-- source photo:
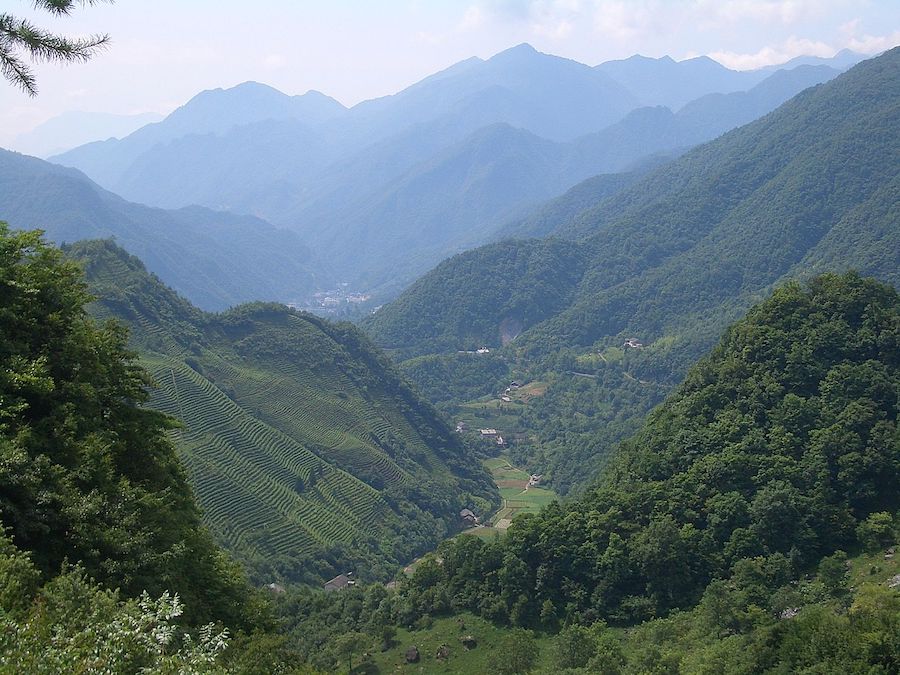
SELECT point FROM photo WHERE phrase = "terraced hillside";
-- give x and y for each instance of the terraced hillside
(307, 450)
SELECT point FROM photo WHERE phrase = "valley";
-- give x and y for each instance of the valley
(539, 364)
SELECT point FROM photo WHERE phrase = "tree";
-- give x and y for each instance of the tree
(876, 531)
(833, 574)
(22, 41)
(574, 647)
(88, 474)
(352, 643)
(516, 653)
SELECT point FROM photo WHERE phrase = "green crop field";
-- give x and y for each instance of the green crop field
(511, 481)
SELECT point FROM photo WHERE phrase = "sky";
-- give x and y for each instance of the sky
(163, 52)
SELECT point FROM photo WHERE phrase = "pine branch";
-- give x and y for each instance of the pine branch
(45, 46)
(20, 35)
(15, 70)
(61, 7)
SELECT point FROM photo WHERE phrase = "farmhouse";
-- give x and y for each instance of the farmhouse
(506, 399)
(468, 516)
(488, 432)
(482, 350)
(340, 582)
(461, 427)
(632, 343)
(500, 440)
(534, 480)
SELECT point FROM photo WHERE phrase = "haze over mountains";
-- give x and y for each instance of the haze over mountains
(74, 128)
(668, 259)
(217, 259)
(386, 189)
(644, 419)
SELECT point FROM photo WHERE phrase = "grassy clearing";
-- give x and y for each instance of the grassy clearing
(529, 391)
(448, 631)
(877, 568)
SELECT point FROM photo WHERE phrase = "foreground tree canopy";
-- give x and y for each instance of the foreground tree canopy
(22, 42)
(87, 475)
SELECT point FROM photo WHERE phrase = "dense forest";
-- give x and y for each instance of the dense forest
(105, 562)
(723, 536)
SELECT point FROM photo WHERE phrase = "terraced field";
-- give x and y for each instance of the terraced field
(251, 478)
(307, 452)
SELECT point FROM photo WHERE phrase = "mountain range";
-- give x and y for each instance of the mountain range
(388, 188)
(75, 128)
(668, 259)
(664, 318)
(217, 259)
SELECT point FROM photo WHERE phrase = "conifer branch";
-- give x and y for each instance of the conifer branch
(20, 40)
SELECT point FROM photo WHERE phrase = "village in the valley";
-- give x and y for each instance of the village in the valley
(495, 423)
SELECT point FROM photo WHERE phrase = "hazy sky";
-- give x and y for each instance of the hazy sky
(165, 51)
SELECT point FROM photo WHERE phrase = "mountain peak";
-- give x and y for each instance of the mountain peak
(520, 51)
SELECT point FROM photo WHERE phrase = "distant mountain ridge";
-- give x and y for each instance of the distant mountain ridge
(75, 128)
(217, 259)
(391, 186)
(214, 111)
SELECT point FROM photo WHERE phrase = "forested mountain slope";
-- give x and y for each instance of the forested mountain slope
(748, 527)
(737, 214)
(308, 452)
(88, 476)
(216, 259)
(731, 216)
(671, 259)
(777, 445)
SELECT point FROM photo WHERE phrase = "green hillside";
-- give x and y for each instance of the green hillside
(779, 445)
(670, 261)
(308, 452)
(749, 526)
(491, 295)
(91, 490)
